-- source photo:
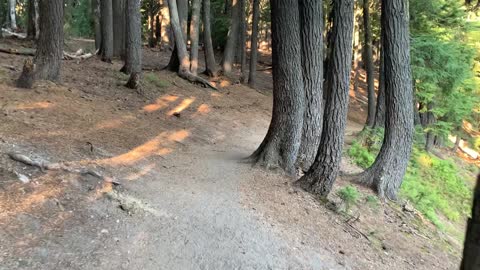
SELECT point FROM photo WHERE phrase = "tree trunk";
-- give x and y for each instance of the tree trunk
(429, 121)
(151, 19)
(229, 52)
(158, 30)
(48, 57)
(210, 64)
(369, 63)
(96, 22)
(311, 25)
(387, 172)
(280, 146)
(12, 4)
(107, 30)
(182, 10)
(471, 251)
(31, 32)
(133, 56)
(254, 44)
(243, 42)
(322, 174)
(194, 35)
(119, 28)
(380, 110)
(356, 47)
(37, 19)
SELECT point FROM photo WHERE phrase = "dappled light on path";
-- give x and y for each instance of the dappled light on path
(160, 103)
(182, 106)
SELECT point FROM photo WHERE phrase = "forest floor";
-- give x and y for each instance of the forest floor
(184, 199)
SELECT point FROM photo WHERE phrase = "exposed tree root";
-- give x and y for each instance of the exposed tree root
(44, 165)
(195, 79)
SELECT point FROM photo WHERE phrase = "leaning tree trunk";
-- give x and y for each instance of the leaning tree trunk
(282, 142)
(229, 51)
(107, 30)
(133, 56)
(182, 10)
(367, 30)
(12, 4)
(320, 177)
(194, 35)
(119, 26)
(471, 251)
(311, 24)
(97, 25)
(380, 109)
(31, 31)
(243, 42)
(210, 65)
(387, 172)
(254, 44)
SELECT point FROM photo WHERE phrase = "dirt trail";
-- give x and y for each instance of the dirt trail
(185, 201)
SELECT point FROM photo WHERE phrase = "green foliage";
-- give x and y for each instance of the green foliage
(363, 150)
(360, 155)
(349, 195)
(78, 18)
(435, 186)
(155, 80)
(372, 201)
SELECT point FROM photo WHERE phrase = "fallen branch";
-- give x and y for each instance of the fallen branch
(25, 51)
(69, 56)
(10, 34)
(12, 68)
(79, 55)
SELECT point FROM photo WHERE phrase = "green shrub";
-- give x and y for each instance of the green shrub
(155, 80)
(372, 201)
(360, 155)
(349, 195)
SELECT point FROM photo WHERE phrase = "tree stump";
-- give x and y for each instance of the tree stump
(28, 75)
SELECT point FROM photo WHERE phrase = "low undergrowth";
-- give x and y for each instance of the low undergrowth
(435, 186)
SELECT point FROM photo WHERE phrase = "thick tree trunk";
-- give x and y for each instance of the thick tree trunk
(229, 52)
(97, 25)
(107, 30)
(254, 44)
(211, 68)
(48, 57)
(194, 35)
(182, 10)
(322, 174)
(311, 24)
(368, 53)
(119, 28)
(133, 55)
(37, 19)
(471, 251)
(243, 42)
(380, 109)
(280, 146)
(151, 19)
(31, 31)
(12, 4)
(357, 47)
(387, 172)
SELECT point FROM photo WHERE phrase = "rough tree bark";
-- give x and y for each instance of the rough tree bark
(368, 53)
(37, 18)
(380, 109)
(243, 42)
(96, 22)
(471, 251)
(12, 14)
(133, 55)
(194, 35)
(311, 24)
(49, 53)
(182, 10)
(320, 177)
(119, 28)
(229, 51)
(254, 44)
(211, 68)
(31, 31)
(280, 146)
(387, 172)
(107, 30)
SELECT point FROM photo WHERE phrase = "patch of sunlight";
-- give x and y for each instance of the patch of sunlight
(182, 106)
(425, 160)
(34, 105)
(203, 109)
(160, 103)
(113, 123)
